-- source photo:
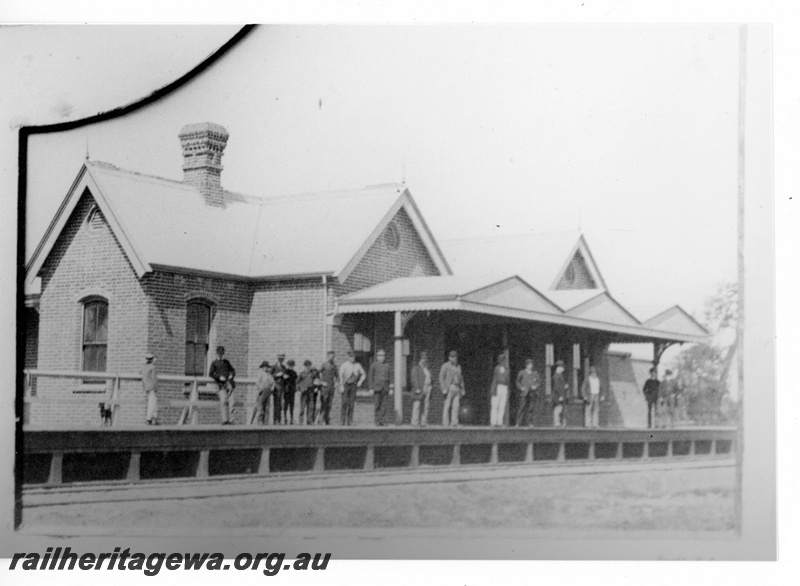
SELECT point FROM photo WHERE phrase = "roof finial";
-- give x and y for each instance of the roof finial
(404, 169)
(87, 147)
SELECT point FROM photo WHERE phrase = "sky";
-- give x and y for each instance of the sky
(627, 132)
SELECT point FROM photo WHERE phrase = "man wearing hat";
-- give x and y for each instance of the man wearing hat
(380, 383)
(421, 386)
(651, 390)
(223, 373)
(150, 387)
(451, 382)
(329, 379)
(560, 394)
(289, 390)
(671, 391)
(528, 383)
(265, 385)
(279, 374)
(307, 382)
(351, 375)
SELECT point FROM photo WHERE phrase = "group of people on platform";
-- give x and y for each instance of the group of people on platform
(529, 389)
(277, 385)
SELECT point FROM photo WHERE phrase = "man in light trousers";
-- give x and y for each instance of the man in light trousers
(590, 392)
(451, 382)
(421, 385)
(150, 387)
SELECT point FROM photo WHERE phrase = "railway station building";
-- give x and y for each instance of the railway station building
(132, 264)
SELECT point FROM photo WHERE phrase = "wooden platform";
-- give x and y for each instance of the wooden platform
(55, 457)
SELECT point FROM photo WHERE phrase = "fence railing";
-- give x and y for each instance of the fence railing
(109, 392)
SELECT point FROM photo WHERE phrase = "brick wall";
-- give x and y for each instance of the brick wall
(379, 264)
(168, 296)
(88, 261)
(286, 317)
(253, 321)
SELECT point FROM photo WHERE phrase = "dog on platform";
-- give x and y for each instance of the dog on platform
(105, 415)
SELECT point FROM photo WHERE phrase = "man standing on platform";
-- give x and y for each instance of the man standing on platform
(451, 382)
(379, 381)
(306, 384)
(651, 392)
(590, 392)
(671, 392)
(421, 385)
(560, 394)
(499, 391)
(329, 379)
(528, 382)
(289, 390)
(223, 374)
(265, 385)
(150, 386)
(280, 376)
(351, 376)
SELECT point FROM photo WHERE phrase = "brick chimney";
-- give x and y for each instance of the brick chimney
(203, 145)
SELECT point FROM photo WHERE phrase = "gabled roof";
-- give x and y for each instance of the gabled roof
(566, 299)
(604, 308)
(582, 248)
(540, 259)
(166, 223)
(511, 292)
(511, 297)
(675, 319)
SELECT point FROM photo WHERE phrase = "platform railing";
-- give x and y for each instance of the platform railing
(108, 391)
(70, 457)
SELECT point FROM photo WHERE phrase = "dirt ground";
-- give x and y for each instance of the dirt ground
(651, 500)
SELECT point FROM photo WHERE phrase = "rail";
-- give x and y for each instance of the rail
(74, 456)
(110, 395)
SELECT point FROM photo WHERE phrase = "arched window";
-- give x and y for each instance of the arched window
(95, 335)
(198, 326)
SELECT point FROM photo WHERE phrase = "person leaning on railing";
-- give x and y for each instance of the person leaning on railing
(265, 384)
(223, 374)
(150, 387)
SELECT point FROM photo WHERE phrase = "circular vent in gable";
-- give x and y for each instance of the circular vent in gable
(95, 219)
(391, 236)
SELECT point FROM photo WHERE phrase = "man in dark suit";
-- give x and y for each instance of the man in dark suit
(329, 378)
(379, 381)
(651, 391)
(280, 376)
(223, 374)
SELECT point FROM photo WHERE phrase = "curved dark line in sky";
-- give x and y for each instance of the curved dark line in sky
(149, 99)
(22, 188)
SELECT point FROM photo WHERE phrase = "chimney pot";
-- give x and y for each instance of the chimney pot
(203, 145)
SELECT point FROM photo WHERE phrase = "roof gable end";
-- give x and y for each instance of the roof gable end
(513, 292)
(676, 319)
(84, 182)
(579, 271)
(405, 202)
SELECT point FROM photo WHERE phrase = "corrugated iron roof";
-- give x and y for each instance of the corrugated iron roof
(444, 287)
(170, 224)
(537, 258)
